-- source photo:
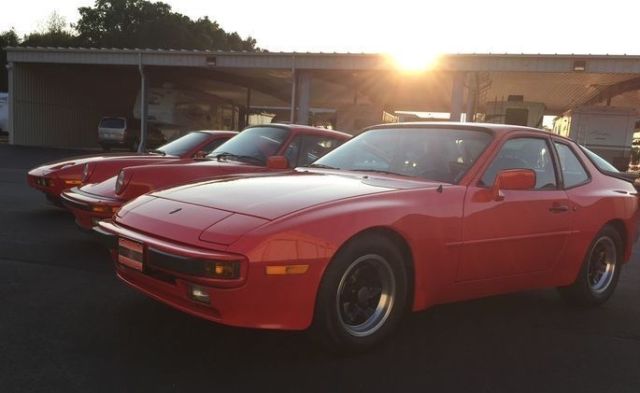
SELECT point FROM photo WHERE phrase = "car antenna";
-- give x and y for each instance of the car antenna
(439, 189)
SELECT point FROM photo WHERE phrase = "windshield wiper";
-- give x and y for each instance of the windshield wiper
(379, 171)
(238, 157)
(156, 151)
(323, 166)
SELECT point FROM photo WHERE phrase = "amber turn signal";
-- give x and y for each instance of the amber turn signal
(287, 269)
(101, 209)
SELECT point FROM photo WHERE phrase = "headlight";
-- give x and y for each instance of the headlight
(120, 182)
(85, 172)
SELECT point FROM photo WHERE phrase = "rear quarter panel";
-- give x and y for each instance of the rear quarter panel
(602, 201)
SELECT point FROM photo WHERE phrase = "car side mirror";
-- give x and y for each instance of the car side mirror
(277, 162)
(200, 155)
(513, 179)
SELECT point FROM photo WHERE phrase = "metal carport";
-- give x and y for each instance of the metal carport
(57, 95)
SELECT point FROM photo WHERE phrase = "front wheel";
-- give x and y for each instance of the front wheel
(600, 271)
(363, 294)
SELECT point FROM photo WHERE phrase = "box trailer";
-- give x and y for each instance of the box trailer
(515, 111)
(169, 107)
(606, 130)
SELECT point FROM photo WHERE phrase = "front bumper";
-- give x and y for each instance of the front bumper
(256, 300)
(89, 209)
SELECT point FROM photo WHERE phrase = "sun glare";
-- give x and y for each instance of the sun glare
(414, 60)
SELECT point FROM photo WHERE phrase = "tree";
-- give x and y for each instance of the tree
(143, 24)
(56, 32)
(127, 24)
(7, 38)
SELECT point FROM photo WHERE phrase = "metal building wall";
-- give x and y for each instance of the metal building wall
(61, 105)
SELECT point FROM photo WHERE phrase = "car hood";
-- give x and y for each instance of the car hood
(270, 197)
(54, 166)
(223, 210)
(104, 189)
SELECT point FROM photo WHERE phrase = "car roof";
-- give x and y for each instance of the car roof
(301, 127)
(218, 132)
(497, 129)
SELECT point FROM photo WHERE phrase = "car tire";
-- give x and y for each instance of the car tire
(105, 147)
(600, 271)
(362, 296)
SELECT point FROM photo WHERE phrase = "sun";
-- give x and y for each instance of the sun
(414, 60)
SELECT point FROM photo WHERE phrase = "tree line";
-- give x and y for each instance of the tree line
(127, 24)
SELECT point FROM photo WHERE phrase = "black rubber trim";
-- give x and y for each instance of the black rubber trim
(185, 265)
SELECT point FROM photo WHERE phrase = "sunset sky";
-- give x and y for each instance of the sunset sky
(390, 26)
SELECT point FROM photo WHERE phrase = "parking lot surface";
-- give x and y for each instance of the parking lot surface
(68, 325)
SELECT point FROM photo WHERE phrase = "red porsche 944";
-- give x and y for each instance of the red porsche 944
(55, 177)
(401, 217)
(272, 147)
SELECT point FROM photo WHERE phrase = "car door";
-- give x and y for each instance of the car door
(526, 231)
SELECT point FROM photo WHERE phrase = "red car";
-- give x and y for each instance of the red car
(256, 149)
(400, 218)
(55, 177)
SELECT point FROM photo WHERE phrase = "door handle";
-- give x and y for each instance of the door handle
(556, 208)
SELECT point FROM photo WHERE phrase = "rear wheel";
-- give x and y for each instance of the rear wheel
(105, 147)
(363, 294)
(600, 271)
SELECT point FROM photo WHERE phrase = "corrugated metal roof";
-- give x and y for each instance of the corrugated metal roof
(478, 62)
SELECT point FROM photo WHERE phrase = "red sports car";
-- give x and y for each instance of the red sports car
(273, 147)
(55, 177)
(402, 217)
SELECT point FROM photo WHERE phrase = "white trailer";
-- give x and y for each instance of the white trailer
(606, 130)
(188, 110)
(516, 112)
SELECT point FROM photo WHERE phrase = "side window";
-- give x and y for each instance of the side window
(292, 151)
(573, 172)
(524, 153)
(311, 147)
(211, 146)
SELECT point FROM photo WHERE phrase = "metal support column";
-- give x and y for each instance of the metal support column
(11, 103)
(472, 96)
(294, 87)
(457, 96)
(247, 108)
(304, 98)
(144, 105)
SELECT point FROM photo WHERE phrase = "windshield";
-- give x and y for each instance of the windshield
(183, 144)
(253, 144)
(432, 153)
(598, 161)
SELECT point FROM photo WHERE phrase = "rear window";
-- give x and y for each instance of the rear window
(599, 162)
(112, 122)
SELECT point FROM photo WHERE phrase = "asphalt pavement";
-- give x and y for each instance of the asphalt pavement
(68, 325)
